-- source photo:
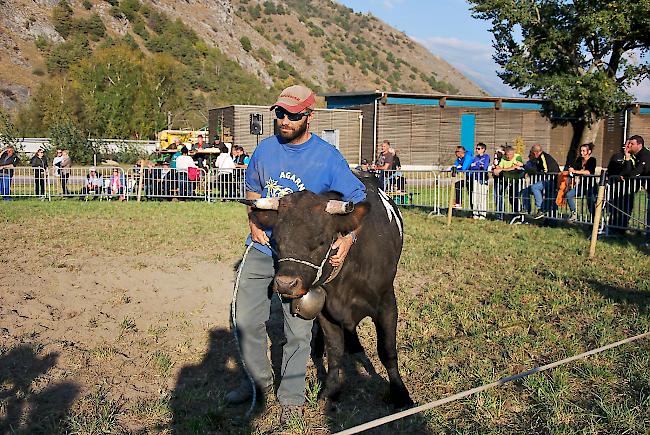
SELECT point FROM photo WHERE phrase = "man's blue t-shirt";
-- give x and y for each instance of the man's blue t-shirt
(278, 169)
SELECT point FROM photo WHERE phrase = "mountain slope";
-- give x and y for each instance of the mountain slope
(239, 51)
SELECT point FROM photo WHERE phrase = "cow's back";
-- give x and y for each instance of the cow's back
(371, 265)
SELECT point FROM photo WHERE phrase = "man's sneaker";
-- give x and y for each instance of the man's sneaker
(539, 215)
(244, 393)
(573, 217)
(290, 412)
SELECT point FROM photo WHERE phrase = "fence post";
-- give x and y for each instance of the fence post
(452, 194)
(597, 214)
(140, 179)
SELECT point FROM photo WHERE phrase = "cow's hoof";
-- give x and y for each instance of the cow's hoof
(400, 398)
(332, 394)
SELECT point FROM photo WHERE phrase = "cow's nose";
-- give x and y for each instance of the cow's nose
(286, 285)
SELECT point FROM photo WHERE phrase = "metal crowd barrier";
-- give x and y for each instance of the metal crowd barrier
(24, 182)
(411, 188)
(168, 184)
(227, 184)
(478, 194)
(107, 182)
(628, 204)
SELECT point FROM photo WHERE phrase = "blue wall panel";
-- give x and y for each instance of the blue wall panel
(413, 101)
(468, 131)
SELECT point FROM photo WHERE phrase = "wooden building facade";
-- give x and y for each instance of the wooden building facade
(341, 128)
(425, 129)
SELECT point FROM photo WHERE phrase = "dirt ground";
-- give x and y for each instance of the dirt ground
(74, 323)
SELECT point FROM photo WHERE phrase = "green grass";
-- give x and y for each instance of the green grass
(478, 301)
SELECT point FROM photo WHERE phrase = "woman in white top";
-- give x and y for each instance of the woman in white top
(225, 168)
(185, 184)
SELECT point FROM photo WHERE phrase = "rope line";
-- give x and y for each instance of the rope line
(431, 405)
(234, 324)
(629, 215)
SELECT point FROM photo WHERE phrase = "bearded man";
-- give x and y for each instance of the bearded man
(291, 161)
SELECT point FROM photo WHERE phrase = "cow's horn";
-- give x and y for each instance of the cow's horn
(339, 207)
(267, 203)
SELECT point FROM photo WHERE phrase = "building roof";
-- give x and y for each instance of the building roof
(376, 94)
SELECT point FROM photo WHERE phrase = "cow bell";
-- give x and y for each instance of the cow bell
(309, 305)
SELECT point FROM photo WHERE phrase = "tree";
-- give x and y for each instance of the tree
(578, 55)
(9, 135)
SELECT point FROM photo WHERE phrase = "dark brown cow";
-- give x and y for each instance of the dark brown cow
(304, 228)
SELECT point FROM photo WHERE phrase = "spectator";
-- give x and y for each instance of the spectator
(384, 161)
(177, 146)
(584, 165)
(8, 161)
(510, 167)
(93, 184)
(225, 168)
(396, 180)
(240, 157)
(241, 160)
(479, 181)
(65, 169)
(117, 185)
(364, 166)
(199, 145)
(542, 170)
(56, 162)
(183, 165)
(39, 163)
(167, 181)
(462, 164)
(498, 180)
(637, 164)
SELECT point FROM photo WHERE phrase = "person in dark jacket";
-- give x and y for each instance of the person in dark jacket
(8, 161)
(624, 170)
(542, 170)
(39, 163)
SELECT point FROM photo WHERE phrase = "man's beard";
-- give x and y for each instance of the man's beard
(294, 134)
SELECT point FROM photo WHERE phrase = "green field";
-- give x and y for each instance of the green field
(478, 301)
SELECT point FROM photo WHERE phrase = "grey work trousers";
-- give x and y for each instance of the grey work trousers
(253, 306)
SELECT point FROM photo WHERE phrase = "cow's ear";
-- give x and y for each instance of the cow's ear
(263, 218)
(351, 221)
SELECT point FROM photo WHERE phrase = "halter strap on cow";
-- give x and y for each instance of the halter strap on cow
(319, 268)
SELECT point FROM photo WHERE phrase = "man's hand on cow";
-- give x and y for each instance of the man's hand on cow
(257, 234)
(342, 245)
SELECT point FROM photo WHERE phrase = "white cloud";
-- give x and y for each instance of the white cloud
(390, 4)
(642, 91)
(473, 59)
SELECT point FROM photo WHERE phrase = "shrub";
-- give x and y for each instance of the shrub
(246, 43)
(62, 56)
(66, 134)
(41, 43)
(62, 18)
(87, 4)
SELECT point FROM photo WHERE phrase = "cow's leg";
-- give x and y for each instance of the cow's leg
(334, 346)
(352, 344)
(386, 325)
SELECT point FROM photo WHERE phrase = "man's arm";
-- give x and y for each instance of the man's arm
(257, 234)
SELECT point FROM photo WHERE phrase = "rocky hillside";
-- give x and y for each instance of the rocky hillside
(230, 51)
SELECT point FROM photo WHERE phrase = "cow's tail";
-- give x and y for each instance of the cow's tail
(233, 309)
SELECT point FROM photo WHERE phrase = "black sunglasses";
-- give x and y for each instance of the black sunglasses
(281, 113)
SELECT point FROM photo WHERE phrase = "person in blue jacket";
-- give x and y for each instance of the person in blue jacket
(462, 163)
(293, 160)
(479, 181)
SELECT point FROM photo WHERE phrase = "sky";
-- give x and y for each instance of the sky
(447, 29)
